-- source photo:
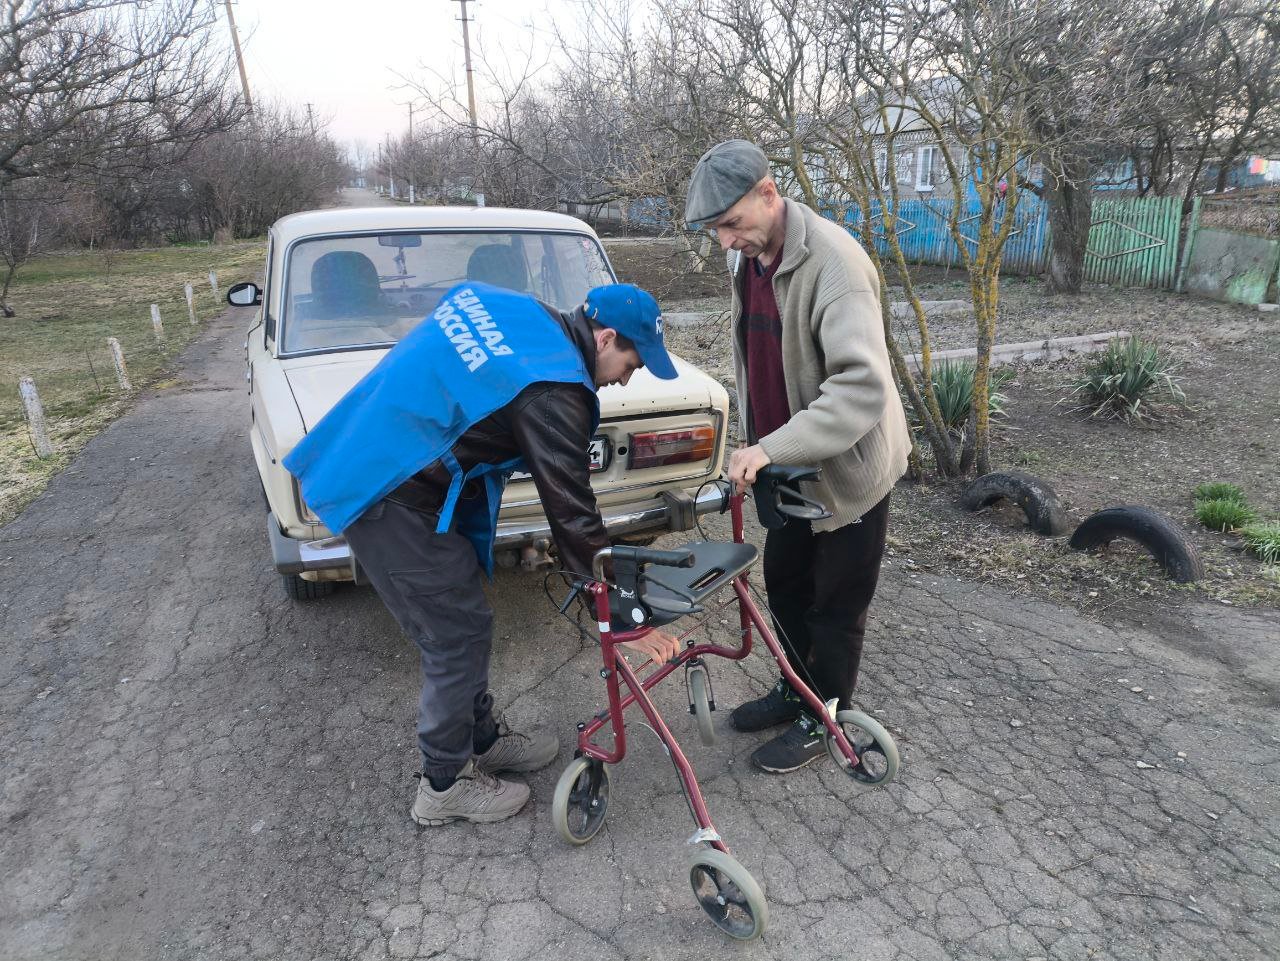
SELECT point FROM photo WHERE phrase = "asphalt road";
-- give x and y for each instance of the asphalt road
(194, 767)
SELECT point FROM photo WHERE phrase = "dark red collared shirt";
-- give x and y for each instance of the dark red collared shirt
(762, 339)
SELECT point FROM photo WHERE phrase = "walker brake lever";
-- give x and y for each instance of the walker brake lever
(573, 593)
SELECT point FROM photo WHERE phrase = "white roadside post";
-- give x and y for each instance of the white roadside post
(35, 417)
(156, 324)
(213, 282)
(190, 294)
(117, 356)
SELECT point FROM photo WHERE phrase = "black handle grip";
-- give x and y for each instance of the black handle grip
(777, 490)
(643, 555)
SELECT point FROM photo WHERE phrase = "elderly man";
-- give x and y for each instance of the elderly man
(410, 465)
(814, 387)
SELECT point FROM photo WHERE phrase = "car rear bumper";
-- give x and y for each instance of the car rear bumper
(669, 511)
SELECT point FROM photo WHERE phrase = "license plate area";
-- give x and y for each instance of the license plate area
(599, 456)
(598, 453)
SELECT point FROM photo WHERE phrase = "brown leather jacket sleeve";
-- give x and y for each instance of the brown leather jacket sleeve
(551, 424)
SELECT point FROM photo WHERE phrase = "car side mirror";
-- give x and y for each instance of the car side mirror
(244, 295)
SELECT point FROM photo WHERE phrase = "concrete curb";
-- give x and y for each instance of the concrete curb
(1055, 348)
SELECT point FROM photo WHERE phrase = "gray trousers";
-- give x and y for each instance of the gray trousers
(431, 584)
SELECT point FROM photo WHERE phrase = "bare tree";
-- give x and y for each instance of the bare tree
(84, 80)
(1220, 73)
(26, 227)
(244, 180)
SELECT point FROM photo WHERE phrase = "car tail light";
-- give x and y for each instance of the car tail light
(660, 448)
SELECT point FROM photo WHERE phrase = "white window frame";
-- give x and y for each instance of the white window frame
(924, 168)
(905, 164)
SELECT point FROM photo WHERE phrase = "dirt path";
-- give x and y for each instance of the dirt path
(363, 197)
(194, 768)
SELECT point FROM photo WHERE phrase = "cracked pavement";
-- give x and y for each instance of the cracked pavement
(195, 767)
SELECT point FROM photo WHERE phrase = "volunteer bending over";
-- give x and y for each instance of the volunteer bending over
(410, 465)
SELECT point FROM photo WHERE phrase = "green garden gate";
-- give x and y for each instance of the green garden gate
(1134, 242)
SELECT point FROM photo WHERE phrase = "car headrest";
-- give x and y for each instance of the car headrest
(499, 265)
(345, 280)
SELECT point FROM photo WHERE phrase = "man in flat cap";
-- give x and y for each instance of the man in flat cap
(814, 387)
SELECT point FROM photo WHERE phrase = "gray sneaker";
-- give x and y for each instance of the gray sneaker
(513, 751)
(475, 796)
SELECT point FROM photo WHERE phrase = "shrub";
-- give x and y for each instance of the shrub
(1127, 380)
(953, 386)
(1224, 513)
(1264, 540)
(1218, 491)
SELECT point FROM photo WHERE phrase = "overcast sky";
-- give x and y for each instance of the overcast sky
(340, 56)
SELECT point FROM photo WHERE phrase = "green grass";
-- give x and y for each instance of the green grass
(67, 305)
(1224, 513)
(1218, 491)
(1128, 380)
(1263, 539)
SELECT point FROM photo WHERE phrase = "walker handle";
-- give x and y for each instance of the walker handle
(635, 556)
(643, 555)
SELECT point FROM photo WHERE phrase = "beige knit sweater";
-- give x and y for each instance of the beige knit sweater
(846, 416)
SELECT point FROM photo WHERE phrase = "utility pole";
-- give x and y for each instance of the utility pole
(413, 153)
(391, 179)
(311, 122)
(471, 102)
(235, 42)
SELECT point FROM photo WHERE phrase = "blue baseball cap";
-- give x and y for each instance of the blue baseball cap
(634, 314)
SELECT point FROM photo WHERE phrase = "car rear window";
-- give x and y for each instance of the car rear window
(372, 290)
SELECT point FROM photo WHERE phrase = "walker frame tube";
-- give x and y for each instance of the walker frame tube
(614, 665)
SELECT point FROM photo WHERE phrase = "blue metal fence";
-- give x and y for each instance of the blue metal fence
(925, 236)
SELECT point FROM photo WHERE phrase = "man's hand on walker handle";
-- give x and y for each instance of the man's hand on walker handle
(743, 465)
(655, 645)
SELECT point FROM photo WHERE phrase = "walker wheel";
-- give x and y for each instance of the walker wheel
(730, 896)
(700, 697)
(581, 799)
(878, 760)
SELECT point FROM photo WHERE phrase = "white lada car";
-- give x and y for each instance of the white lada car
(344, 285)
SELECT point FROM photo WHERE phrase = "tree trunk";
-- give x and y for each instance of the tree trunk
(5, 309)
(1070, 209)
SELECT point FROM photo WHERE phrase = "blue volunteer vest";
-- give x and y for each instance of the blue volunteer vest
(481, 347)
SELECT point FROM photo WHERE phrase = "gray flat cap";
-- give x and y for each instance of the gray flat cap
(722, 177)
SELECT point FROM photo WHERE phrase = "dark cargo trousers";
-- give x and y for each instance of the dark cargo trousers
(820, 585)
(431, 583)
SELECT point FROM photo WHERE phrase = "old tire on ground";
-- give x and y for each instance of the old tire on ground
(1036, 498)
(1159, 535)
(301, 590)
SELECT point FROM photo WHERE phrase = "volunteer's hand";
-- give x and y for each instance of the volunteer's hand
(656, 646)
(743, 465)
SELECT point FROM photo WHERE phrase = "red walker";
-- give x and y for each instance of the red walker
(642, 601)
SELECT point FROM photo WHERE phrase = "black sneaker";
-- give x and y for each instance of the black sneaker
(779, 706)
(800, 744)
